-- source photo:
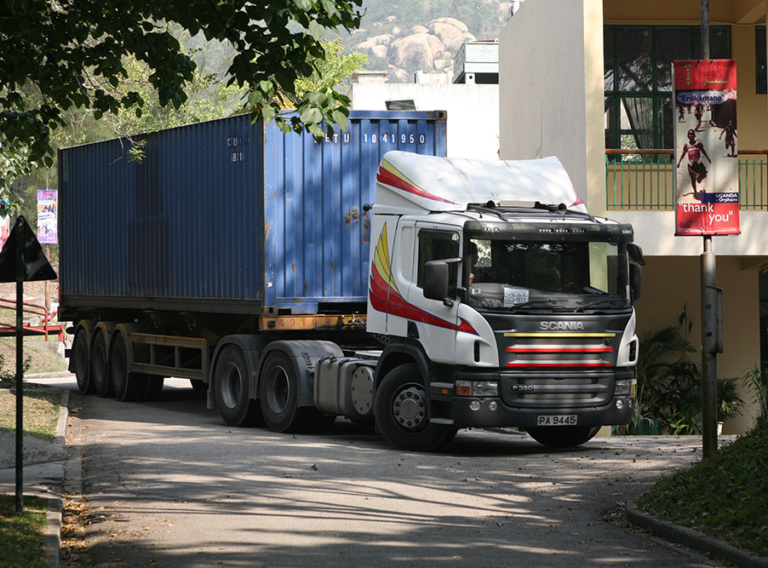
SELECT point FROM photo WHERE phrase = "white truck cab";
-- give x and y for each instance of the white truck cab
(502, 301)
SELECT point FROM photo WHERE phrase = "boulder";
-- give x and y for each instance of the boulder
(416, 51)
(451, 32)
(398, 75)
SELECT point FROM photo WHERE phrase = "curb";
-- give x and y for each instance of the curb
(694, 539)
(53, 531)
(56, 503)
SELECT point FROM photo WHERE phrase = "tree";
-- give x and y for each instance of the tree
(56, 55)
(330, 72)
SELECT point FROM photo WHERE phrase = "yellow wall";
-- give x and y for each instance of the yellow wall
(683, 11)
(671, 285)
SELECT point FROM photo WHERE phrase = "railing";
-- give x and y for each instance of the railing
(645, 179)
(43, 322)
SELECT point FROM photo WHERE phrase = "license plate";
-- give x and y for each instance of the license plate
(556, 420)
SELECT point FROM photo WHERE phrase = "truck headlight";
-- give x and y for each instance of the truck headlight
(477, 388)
(625, 386)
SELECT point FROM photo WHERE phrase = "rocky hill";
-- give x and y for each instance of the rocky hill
(423, 35)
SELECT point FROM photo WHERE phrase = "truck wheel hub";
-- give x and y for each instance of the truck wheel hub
(410, 408)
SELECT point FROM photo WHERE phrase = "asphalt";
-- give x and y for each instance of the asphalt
(48, 472)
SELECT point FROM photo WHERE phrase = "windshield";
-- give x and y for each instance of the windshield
(572, 276)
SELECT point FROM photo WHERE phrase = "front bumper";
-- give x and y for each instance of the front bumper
(484, 412)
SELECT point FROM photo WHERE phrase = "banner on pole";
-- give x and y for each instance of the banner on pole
(47, 208)
(706, 155)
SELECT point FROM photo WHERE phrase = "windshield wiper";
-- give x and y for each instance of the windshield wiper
(586, 305)
(534, 302)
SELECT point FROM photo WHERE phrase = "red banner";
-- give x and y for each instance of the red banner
(706, 156)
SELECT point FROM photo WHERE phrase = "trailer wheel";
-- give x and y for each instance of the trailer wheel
(563, 436)
(230, 388)
(401, 410)
(128, 387)
(279, 394)
(81, 363)
(99, 367)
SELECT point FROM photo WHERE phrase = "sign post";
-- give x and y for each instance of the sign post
(22, 259)
(707, 191)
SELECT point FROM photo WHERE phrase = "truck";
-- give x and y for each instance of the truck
(367, 276)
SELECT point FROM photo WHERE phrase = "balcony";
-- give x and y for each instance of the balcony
(644, 180)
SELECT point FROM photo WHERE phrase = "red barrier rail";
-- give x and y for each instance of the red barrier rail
(46, 327)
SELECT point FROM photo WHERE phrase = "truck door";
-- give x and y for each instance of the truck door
(434, 323)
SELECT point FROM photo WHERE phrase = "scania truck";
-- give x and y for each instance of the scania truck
(367, 276)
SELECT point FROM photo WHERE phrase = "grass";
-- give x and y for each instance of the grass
(41, 406)
(40, 355)
(723, 497)
(22, 535)
(41, 411)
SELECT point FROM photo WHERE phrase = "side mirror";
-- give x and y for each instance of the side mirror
(635, 280)
(635, 253)
(436, 280)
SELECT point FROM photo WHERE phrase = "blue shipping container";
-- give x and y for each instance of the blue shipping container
(228, 216)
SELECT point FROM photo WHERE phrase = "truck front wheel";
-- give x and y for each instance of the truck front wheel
(563, 436)
(230, 389)
(402, 412)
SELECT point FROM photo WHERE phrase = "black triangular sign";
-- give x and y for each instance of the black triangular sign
(36, 265)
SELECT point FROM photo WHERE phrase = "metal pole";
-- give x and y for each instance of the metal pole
(705, 29)
(709, 325)
(19, 367)
(708, 313)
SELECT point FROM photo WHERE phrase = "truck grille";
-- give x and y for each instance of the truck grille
(536, 389)
(559, 350)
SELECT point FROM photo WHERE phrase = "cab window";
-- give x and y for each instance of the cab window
(438, 245)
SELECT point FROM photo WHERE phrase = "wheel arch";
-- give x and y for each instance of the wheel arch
(401, 353)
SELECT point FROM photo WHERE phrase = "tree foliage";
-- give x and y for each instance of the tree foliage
(59, 55)
(330, 72)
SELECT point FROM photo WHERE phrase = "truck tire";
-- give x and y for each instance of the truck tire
(99, 367)
(81, 363)
(128, 387)
(401, 411)
(563, 436)
(230, 389)
(279, 395)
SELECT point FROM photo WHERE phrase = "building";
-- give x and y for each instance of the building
(471, 101)
(589, 77)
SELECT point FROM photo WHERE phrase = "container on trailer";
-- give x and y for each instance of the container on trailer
(228, 215)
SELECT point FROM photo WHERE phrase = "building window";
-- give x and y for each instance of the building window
(760, 59)
(638, 80)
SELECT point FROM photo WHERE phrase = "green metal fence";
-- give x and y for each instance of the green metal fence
(645, 179)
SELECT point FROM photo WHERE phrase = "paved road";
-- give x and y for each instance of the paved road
(175, 487)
